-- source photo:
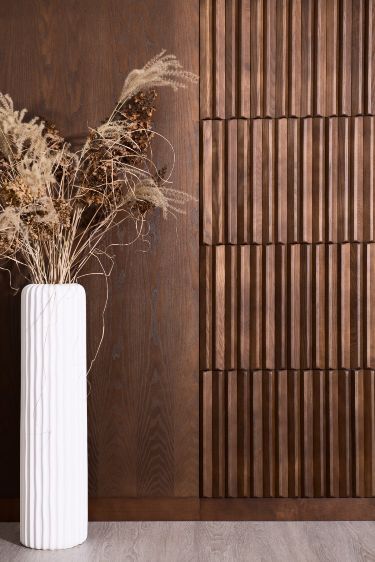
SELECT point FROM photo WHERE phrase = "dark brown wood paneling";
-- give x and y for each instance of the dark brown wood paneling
(299, 306)
(216, 509)
(287, 58)
(309, 433)
(288, 180)
(67, 61)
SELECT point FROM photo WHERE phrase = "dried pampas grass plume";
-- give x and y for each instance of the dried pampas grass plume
(57, 206)
(162, 70)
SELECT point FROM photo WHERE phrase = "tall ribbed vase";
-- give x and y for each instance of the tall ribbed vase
(53, 416)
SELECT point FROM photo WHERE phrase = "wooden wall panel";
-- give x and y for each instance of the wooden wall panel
(287, 105)
(67, 61)
(299, 306)
(288, 180)
(287, 58)
(288, 433)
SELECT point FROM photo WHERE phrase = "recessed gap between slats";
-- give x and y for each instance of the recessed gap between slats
(296, 306)
(287, 433)
(288, 180)
(280, 58)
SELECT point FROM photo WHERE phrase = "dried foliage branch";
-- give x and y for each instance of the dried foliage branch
(57, 205)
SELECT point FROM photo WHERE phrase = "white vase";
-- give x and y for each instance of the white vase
(53, 416)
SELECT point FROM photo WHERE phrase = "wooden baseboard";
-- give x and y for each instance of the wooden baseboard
(195, 509)
(288, 509)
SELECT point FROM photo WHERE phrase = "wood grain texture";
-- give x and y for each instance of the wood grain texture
(209, 509)
(287, 58)
(309, 433)
(299, 306)
(210, 541)
(288, 180)
(67, 62)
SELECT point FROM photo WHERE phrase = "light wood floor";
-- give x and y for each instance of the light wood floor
(206, 542)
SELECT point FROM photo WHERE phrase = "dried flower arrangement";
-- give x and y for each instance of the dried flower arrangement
(57, 205)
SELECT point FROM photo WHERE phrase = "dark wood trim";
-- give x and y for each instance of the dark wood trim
(195, 509)
(288, 509)
(144, 509)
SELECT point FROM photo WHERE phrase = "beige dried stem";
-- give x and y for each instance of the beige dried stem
(57, 206)
(162, 70)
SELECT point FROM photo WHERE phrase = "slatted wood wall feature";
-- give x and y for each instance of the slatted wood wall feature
(288, 180)
(297, 306)
(288, 433)
(287, 261)
(287, 58)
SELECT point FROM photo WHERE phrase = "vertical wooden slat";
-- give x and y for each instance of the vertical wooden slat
(369, 64)
(369, 425)
(206, 309)
(333, 230)
(218, 426)
(243, 184)
(367, 227)
(294, 276)
(307, 70)
(294, 432)
(356, 305)
(321, 74)
(281, 182)
(356, 195)
(244, 307)
(307, 435)
(207, 448)
(333, 434)
(319, 430)
(332, 66)
(283, 465)
(343, 179)
(219, 308)
(244, 428)
(256, 57)
(293, 179)
(319, 306)
(370, 306)
(305, 334)
(269, 432)
(357, 61)
(207, 187)
(281, 325)
(318, 181)
(231, 191)
(344, 347)
(332, 292)
(231, 59)
(307, 181)
(232, 446)
(257, 181)
(268, 335)
(206, 62)
(359, 434)
(268, 182)
(218, 181)
(219, 59)
(244, 56)
(270, 53)
(295, 62)
(257, 433)
(231, 307)
(281, 58)
(346, 57)
(345, 434)
(256, 305)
